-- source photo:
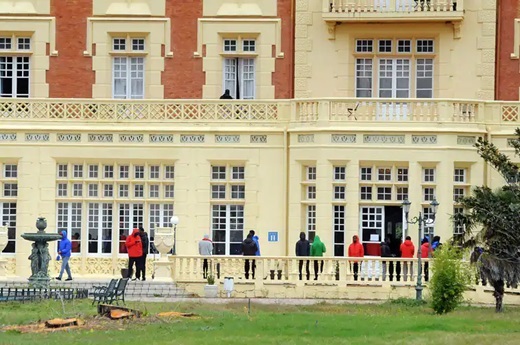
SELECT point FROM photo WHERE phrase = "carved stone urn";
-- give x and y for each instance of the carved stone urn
(164, 238)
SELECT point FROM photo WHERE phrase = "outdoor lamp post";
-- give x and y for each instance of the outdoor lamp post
(421, 221)
(174, 220)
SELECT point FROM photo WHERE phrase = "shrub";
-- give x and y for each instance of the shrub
(450, 278)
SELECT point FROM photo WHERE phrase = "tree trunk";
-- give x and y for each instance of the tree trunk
(499, 295)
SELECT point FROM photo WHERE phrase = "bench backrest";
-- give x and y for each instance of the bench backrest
(121, 286)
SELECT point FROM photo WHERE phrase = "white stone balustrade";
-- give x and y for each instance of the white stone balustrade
(403, 7)
(276, 112)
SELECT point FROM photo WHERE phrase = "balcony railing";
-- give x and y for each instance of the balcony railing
(393, 10)
(324, 111)
(138, 111)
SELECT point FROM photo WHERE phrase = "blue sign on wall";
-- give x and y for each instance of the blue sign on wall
(272, 236)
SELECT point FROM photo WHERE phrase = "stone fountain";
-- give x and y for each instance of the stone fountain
(40, 256)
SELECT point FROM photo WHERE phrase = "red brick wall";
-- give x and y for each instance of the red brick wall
(283, 75)
(70, 74)
(183, 76)
(507, 70)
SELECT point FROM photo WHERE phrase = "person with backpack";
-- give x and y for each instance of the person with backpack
(145, 242)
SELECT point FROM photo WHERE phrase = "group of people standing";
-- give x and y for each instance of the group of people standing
(137, 245)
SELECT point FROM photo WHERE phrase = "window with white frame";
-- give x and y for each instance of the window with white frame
(8, 218)
(227, 208)
(15, 69)
(159, 216)
(311, 173)
(408, 74)
(458, 193)
(111, 217)
(458, 227)
(99, 227)
(310, 220)
(128, 69)
(402, 193)
(339, 192)
(384, 193)
(429, 228)
(311, 192)
(459, 175)
(402, 174)
(428, 193)
(338, 224)
(366, 193)
(339, 177)
(239, 70)
(429, 175)
(69, 218)
(366, 174)
(384, 174)
(154, 171)
(8, 203)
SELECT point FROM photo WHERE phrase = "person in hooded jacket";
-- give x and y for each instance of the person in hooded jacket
(205, 250)
(249, 248)
(303, 248)
(226, 95)
(407, 252)
(135, 252)
(356, 250)
(145, 242)
(317, 249)
(425, 251)
(64, 249)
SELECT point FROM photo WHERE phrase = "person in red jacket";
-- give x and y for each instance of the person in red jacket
(407, 252)
(425, 251)
(355, 250)
(135, 251)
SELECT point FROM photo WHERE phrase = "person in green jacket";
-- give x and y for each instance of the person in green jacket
(317, 249)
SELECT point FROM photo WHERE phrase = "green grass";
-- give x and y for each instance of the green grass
(398, 322)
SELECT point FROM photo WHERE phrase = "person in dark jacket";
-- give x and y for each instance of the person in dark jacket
(226, 95)
(249, 248)
(303, 248)
(386, 252)
(140, 272)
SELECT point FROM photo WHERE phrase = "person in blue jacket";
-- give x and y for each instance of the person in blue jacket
(256, 240)
(64, 250)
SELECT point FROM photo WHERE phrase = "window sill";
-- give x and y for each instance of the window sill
(122, 53)
(239, 55)
(15, 53)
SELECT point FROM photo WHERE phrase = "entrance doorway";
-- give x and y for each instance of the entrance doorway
(378, 223)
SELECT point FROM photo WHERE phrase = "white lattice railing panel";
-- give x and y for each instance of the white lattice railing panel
(138, 111)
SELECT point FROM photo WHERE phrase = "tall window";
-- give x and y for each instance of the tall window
(404, 68)
(339, 229)
(227, 197)
(128, 71)
(116, 199)
(308, 200)
(239, 75)
(14, 69)
(8, 198)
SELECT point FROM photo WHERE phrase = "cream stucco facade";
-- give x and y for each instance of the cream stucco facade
(232, 167)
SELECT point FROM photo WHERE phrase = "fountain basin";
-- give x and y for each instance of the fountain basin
(41, 237)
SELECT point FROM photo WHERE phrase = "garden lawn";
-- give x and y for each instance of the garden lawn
(385, 324)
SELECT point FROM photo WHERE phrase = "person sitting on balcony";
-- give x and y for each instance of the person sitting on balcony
(205, 249)
(356, 250)
(303, 248)
(407, 251)
(249, 248)
(317, 249)
(226, 95)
